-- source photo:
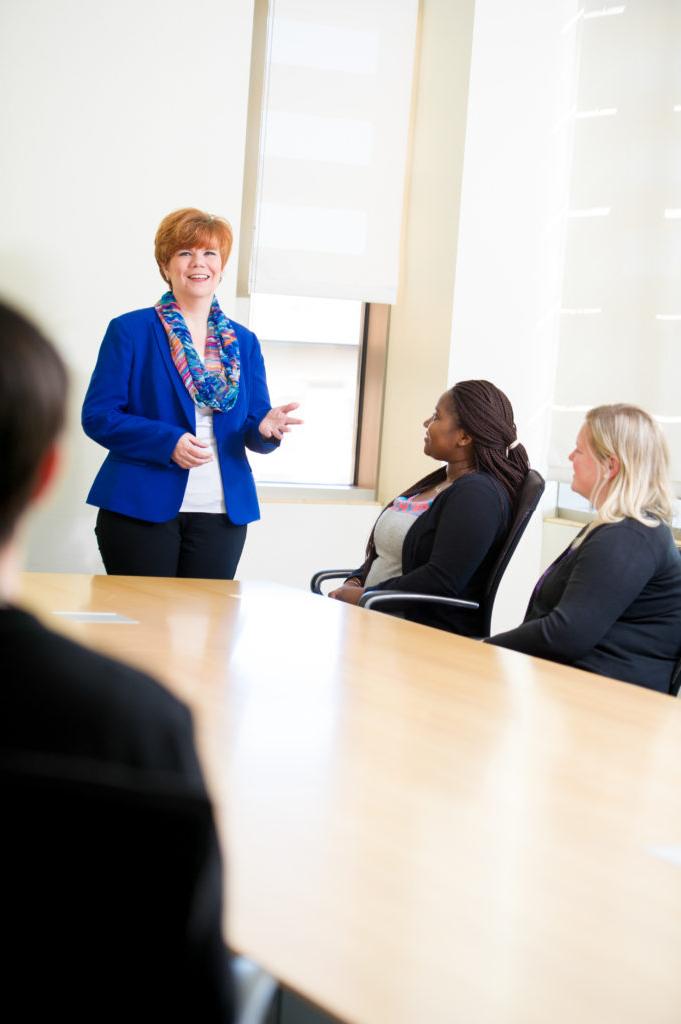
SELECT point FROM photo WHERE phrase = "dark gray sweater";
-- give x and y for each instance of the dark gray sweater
(76, 715)
(612, 606)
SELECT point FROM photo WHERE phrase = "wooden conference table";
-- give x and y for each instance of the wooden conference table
(419, 828)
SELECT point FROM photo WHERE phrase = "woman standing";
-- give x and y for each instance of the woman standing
(611, 603)
(177, 395)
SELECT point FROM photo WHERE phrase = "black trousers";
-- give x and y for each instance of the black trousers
(199, 545)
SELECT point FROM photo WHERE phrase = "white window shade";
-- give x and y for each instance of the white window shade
(333, 148)
(620, 335)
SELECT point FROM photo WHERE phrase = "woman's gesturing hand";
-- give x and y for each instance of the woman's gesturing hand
(190, 452)
(278, 422)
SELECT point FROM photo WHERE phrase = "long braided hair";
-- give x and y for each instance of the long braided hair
(484, 412)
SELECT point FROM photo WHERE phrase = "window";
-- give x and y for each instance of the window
(332, 145)
(312, 351)
(620, 324)
(324, 178)
(573, 506)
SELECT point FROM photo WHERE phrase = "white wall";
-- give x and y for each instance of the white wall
(294, 540)
(511, 235)
(291, 541)
(420, 321)
(112, 115)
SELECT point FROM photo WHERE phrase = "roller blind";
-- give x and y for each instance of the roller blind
(333, 148)
(620, 322)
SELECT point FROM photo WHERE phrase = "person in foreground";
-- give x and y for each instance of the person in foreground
(98, 768)
(442, 534)
(177, 395)
(611, 603)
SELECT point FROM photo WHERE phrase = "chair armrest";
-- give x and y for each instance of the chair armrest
(327, 574)
(371, 598)
(255, 991)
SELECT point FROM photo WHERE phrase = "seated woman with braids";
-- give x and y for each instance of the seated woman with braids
(442, 534)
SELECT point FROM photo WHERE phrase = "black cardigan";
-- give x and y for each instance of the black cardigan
(450, 550)
(611, 606)
(63, 704)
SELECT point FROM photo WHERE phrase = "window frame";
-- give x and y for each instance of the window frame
(375, 323)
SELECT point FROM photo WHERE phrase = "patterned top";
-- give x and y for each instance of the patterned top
(415, 505)
(389, 533)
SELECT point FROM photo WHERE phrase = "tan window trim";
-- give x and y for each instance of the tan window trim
(373, 358)
(256, 95)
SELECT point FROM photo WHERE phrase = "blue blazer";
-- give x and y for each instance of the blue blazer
(138, 408)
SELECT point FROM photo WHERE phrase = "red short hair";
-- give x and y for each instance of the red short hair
(187, 228)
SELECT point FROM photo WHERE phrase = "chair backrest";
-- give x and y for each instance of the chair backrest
(528, 499)
(105, 895)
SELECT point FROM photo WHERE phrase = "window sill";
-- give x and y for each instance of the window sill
(315, 494)
(575, 520)
(569, 517)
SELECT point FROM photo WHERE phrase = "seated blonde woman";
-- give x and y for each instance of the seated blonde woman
(611, 603)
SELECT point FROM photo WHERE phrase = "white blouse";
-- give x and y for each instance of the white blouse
(204, 488)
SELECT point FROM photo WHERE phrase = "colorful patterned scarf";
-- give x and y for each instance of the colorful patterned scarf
(215, 381)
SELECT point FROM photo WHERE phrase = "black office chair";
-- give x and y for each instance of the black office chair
(108, 898)
(675, 683)
(528, 499)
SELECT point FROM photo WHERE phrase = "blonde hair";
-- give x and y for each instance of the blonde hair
(641, 488)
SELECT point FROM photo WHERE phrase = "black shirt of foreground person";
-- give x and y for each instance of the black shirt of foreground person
(611, 606)
(112, 893)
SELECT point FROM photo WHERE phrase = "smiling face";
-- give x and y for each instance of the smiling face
(587, 472)
(445, 440)
(194, 273)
